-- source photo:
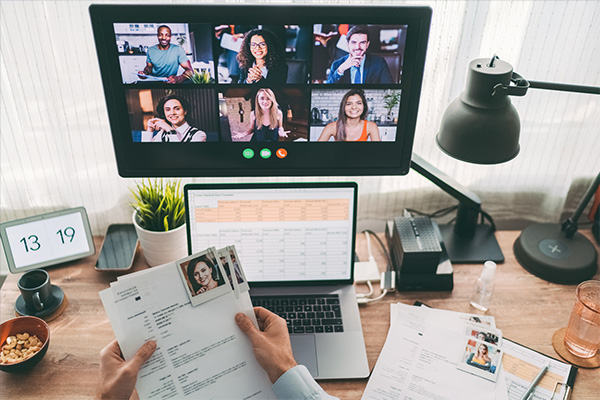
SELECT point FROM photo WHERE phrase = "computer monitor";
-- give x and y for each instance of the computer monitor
(261, 90)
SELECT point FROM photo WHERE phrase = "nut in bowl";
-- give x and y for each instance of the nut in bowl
(23, 342)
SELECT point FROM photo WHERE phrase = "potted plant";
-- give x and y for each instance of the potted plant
(391, 99)
(159, 219)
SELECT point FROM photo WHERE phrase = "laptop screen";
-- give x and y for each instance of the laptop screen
(283, 233)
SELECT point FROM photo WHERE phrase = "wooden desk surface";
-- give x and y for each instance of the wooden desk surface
(527, 310)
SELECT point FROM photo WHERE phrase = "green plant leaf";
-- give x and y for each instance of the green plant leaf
(159, 206)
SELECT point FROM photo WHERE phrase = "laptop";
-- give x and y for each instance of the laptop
(296, 243)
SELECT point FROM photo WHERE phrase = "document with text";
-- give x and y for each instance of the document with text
(201, 352)
(421, 357)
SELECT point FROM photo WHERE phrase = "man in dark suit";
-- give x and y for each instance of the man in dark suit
(358, 66)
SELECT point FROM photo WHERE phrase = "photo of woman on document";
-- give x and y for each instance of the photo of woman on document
(480, 358)
(203, 275)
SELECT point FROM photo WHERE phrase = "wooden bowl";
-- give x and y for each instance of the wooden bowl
(33, 326)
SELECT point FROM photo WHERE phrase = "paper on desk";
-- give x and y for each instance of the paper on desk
(418, 360)
(200, 350)
(522, 364)
(445, 317)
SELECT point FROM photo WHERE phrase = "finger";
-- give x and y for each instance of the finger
(246, 325)
(143, 354)
(111, 349)
(265, 315)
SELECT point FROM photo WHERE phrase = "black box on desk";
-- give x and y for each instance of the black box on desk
(418, 248)
(420, 277)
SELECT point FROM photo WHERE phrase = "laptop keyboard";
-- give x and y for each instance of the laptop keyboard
(305, 313)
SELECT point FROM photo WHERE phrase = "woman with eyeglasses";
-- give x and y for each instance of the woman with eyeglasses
(261, 58)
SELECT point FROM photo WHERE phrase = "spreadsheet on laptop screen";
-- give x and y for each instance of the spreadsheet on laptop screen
(281, 234)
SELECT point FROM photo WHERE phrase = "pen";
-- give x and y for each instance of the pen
(539, 376)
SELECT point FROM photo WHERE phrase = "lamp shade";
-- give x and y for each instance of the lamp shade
(482, 126)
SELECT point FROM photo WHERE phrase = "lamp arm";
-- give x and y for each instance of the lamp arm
(521, 85)
(569, 226)
(565, 87)
(469, 205)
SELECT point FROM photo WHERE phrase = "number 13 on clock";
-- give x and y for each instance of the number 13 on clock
(47, 239)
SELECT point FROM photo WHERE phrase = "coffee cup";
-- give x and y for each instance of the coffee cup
(36, 289)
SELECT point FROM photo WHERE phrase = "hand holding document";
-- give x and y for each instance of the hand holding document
(152, 77)
(201, 352)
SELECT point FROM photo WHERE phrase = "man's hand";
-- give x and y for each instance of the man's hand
(117, 376)
(271, 345)
(351, 61)
(176, 78)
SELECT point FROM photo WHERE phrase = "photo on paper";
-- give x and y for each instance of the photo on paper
(204, 276)
(487, 335)
(486, 320)
(227, 265)
(480, 358)
(238, 270)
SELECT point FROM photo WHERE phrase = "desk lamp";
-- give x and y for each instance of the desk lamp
(482, 127)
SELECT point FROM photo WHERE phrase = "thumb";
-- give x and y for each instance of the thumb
(246, 325)
(143, 354)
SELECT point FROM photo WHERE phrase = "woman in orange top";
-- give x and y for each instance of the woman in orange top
(481, 357)
(351, 125)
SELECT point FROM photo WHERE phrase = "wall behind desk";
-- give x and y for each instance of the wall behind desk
(55, 142)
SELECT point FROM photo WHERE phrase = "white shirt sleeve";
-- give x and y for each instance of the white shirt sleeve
(298, 384)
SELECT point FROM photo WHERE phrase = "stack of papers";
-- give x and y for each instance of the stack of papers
(201, 352)
(445, 355)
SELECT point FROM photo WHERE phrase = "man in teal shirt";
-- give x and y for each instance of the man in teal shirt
(163, 60)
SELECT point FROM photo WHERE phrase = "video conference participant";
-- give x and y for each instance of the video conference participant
(351, 125)
(164, 59)
(266, 121)
(171, 124)
(358, 66)
(237, 33)
(261, 58)
(272, 349)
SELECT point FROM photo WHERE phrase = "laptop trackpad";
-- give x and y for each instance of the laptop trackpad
(305, 352)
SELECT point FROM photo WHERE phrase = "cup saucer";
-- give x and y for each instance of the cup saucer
(57, 293)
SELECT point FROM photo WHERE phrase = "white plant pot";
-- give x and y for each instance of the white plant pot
(162, 247)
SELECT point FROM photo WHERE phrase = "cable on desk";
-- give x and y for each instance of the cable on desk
(366, 300)
(387, 255)
(366, 295)
(388, 278)
(483, 216)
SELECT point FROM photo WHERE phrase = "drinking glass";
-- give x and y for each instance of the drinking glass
(582, 337)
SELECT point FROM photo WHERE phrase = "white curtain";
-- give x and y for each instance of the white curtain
(56, 149)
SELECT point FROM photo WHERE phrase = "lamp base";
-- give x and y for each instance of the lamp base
(544, 251)
(478, 249)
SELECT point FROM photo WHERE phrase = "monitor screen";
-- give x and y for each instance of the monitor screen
(237, 90)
